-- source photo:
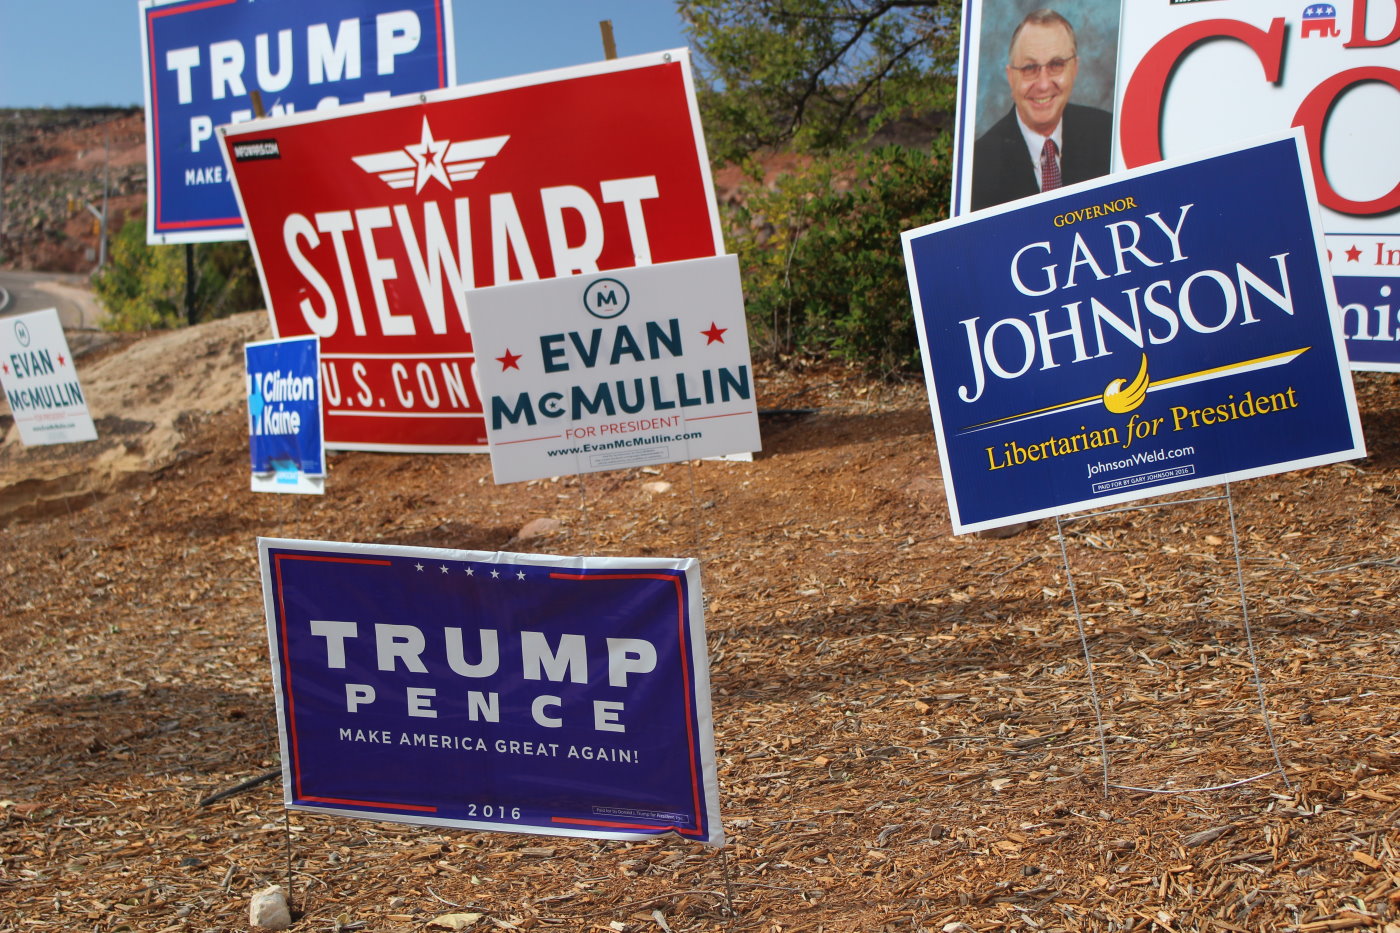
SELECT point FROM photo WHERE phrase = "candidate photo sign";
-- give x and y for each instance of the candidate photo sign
(630, 368)
(284, 415)
(370, 227)
(1120, 85)
(204, 59)
(492, 691)
(1161, 330)
(41, 382)
(1027, 76)
(1331, 69)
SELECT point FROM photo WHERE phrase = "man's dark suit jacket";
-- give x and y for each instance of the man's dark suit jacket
(1001, 167)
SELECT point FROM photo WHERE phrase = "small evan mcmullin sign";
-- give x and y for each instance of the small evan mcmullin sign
(40, 381)
(370, 227)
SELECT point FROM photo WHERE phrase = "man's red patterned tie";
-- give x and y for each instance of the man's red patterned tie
(1049, 167)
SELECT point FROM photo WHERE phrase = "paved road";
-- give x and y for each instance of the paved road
(32, 291)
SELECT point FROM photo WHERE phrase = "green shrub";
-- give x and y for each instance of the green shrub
(144, 287)
(822, 261)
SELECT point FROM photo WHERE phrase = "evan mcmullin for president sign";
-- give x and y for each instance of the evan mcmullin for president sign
(370, 227)
(524, 693)
(40, 381)
(1166, 329)
(635, 367)
(204, 59)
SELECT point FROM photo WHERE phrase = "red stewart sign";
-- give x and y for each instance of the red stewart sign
(371, 225)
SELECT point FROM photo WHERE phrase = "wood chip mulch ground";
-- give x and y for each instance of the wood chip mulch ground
(906, 732)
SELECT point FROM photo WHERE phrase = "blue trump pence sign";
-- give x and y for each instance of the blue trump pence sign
(204, 59)
(1165, 329)
(513, 692)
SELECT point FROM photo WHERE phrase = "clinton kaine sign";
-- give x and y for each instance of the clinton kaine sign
(370, 227)
(1166, 330)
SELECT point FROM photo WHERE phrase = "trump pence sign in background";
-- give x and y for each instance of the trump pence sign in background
(523, 693)
(1167, 329)
(204, 59)
(369, 228)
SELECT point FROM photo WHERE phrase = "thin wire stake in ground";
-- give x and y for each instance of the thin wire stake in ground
(731, 910)
(1084, 643)
(1249, 639)
(583, 511)
(287, 827)
(694, 507)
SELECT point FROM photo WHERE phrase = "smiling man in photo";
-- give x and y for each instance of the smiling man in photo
(1044, 141)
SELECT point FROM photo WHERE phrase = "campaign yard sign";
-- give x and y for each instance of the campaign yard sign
(1161, 330)
(493, 691)
(600, 372)
(203, 60)
(41, 382)
(1177, 78)
(284, 415)
(369, 228)
(1330, 69)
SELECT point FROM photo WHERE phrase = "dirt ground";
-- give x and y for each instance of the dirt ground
(905, 730)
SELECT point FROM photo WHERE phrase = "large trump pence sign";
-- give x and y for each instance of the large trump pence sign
(369, 228)
(523, 693)
(205, 59)
(1165, 330)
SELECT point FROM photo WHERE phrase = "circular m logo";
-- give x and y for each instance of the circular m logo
(22, 333)
(606, 298)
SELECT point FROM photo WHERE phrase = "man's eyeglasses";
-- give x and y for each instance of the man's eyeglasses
(1054, 68)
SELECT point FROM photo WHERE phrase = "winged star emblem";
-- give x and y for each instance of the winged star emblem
(445, 160)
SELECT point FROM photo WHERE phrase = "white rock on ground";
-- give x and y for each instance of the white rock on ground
(538, 528)
(268, 910)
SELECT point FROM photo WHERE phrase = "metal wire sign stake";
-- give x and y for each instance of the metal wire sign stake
(1060, 523)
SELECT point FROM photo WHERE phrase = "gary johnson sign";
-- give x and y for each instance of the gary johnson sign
(369, 228)
(564, 696)
(205, 58)
(600, 372)
(1165, 330)
(1148, 79)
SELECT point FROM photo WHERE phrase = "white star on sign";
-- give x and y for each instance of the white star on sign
(471, 572)
(418, 567)
(443, 568)
(520, 575)
(495, 575)
(427, 156)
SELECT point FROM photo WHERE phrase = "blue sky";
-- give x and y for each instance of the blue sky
(55, 53)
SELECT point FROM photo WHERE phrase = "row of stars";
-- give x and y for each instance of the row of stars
(471, 571)
(61, 362)
(714, 335)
